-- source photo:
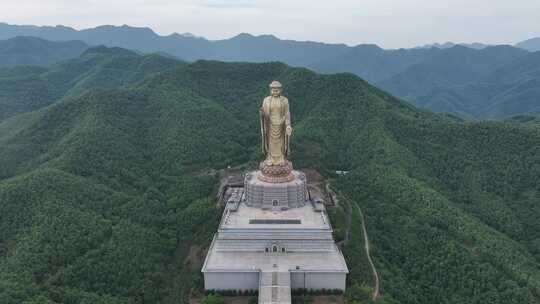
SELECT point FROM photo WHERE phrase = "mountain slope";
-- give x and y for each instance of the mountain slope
(373, 63)
(507, 91)
(36, 51)
(108, 196)
(24, 89)
(517, 88)
(446, 82)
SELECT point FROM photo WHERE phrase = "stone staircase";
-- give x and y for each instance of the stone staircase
(275, 287)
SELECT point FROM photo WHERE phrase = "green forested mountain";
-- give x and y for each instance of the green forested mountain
(515, 88)
(507, 90)
(35, 51)
(457, 81)
(24, 89)
(454, 66)
(107, 196)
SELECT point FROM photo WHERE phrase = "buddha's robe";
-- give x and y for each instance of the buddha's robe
(275, 118)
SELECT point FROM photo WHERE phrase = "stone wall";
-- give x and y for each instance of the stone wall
(318, 280)
(231, 280)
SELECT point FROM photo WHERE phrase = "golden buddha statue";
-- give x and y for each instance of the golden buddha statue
(275, 126)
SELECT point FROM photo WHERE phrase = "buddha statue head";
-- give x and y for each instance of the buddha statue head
(275, 88)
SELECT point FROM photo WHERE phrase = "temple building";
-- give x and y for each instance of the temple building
(272, 237)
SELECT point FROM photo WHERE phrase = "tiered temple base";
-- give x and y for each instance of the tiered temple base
(273, 239)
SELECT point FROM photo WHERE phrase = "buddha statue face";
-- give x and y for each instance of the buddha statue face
(275, 91)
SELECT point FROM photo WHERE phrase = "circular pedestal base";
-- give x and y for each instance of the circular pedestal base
(275, 196)
(276, 173)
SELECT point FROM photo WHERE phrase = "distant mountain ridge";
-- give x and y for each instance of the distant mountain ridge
(447, 45)
(243, 47)
(437, 77)
(532, 45)
(366, 60)
(318, 56)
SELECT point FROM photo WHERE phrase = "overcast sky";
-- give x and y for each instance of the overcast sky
(388, 23)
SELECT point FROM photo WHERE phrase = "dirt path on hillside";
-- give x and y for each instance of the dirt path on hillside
(376, 292)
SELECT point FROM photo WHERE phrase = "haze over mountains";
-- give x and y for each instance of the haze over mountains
(446, 45)
(462, 79)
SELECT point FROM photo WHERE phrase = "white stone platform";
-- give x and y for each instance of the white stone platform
(292, 247)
